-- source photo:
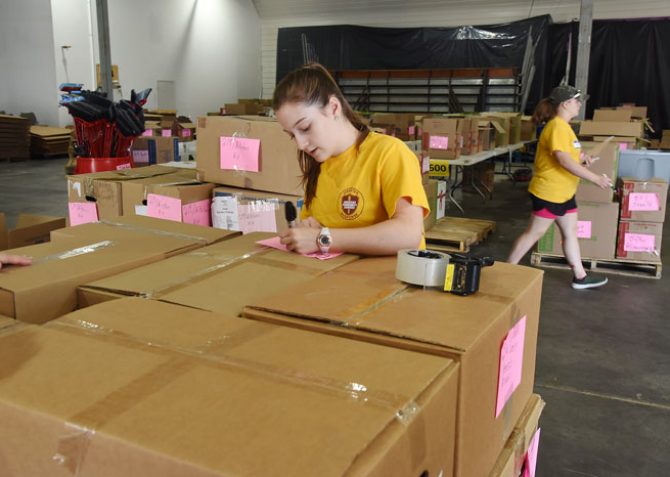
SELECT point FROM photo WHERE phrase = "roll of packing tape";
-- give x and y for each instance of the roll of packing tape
(426, 268)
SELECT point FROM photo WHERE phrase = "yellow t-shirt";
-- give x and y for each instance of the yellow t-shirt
(551, 181)
(361, 188)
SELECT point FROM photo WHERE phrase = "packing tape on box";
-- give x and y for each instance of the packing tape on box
(426, 268)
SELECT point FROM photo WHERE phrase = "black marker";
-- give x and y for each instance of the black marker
(290, 214)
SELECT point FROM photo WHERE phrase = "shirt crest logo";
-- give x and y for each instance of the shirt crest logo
(351, 203)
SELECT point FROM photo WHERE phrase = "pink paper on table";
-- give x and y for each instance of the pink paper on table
(166, 132)
(584, 229)
(639, 242)
(643, 201)
(164, 207)
(257, 218)
(623, 146)
(240, 154)
(198, 213)
(510, 364)
(531, 455)
(438, 142)
(275, 243)
(82, 213)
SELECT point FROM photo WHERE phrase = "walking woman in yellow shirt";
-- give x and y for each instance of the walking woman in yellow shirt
(363, 190)
(559, 164)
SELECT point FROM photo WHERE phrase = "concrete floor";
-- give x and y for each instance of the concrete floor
(603, 359)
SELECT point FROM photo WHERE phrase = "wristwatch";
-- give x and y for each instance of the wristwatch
(324, 240)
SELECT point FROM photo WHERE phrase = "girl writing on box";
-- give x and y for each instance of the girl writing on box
(363, 190)
(559, 164)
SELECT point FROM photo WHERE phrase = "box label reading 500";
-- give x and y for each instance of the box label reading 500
(439, 168)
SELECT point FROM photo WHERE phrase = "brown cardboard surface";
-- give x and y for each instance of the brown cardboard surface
(448, 127)
(279, 168)
(599, 223)
(223, 277)
(607, 163)
(3, 231)
(134, 193)
(656, 187)
(511, 459)
(610, 128)
(363, 300)
(141, 388)
(649, 232)
(6, 321)
(616, 115)
(33, 229)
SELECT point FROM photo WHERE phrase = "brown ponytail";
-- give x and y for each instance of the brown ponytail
(544, 111)
(312, 84)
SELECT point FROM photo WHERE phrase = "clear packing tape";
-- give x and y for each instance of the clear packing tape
(81, 428)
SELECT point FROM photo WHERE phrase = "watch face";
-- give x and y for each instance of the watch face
(324, 240)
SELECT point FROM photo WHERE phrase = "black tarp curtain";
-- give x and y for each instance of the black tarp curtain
(629, 59)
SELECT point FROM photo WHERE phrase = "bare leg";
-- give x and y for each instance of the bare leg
(568, 226)
(534, 232)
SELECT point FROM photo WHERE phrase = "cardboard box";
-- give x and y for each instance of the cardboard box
(400, 125)
(241, 267)
(364, 301)
(640, 241)
(151, 394)
(443, 137)
(638, 112)
(528, 129)
(596, 231)
(76, 255)
(104, 189)
(643, 201)
(520, 452)
(610, 128)
(6, 321)
(134, 193)
(608, 163)
(251, 211)
(615, 115)
(30, 230)
(277, 158)
(155, 150)
(187, 202)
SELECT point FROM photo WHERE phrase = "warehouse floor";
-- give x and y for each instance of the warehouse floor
(603, 359)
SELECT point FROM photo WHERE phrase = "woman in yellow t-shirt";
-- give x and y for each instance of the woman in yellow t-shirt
(559, 163)
(363, 190)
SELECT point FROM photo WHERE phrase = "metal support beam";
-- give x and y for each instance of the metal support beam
(104, 47)
(584, 49)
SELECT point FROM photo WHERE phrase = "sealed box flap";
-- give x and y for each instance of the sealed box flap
(33, 229)
(366, 295)
(152, 377)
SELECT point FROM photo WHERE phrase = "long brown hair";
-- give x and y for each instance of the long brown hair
(312, 84)
(545, 110)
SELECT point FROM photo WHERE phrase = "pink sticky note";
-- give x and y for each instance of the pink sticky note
(164, 207)
(240, 154)
(125, 165)
(148, 132)
(82, 212)
(623, 146)
(584, 229)
(185, 133)
(531, 455)
(510, 364)
(257, 218)
(411, 130)
(166, 132)
(643, 201)
(198, 213)
(438, 142)
(274, 242)
(141, 156)
(639, 242)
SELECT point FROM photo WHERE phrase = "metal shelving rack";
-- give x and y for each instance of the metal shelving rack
(432, 91)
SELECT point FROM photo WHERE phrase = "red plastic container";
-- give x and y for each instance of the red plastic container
(100, 164)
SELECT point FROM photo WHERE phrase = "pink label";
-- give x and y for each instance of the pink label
(531, 455)
(276, 243)
(82, 213)
(125, 165)
(639, 242)
(411, 130)
(198, 213)
(141, 156)
(164, 207)
(185, 133)
(438, 142)
(623, 146)
(257, 218)
(510, 364)
(240, 154)
(643, 201)
(584, 229)
(166, 132)
(148, 132)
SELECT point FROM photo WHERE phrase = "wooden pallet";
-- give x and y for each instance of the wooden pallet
(618, 266)
(458, 234)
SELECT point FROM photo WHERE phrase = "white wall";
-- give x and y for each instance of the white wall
(446, 14)
(28, 75)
